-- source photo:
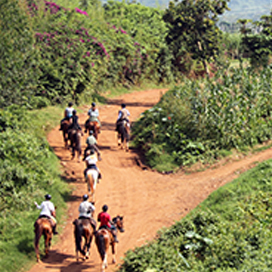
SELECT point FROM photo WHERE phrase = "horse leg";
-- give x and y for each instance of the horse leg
(88, 244)
(38, 235)
(113, 253)
(118, 139)
(105, 262)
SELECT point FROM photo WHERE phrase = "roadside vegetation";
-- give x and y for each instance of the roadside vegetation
(229, 231)
(81, 51)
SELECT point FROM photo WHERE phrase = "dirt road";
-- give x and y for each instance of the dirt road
(147, 200)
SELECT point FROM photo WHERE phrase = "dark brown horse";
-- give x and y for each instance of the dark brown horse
(42, 227)
(123, 132)
(75, 142)
(104, 239)
(65, 127)
(94, 126)
(84, 229)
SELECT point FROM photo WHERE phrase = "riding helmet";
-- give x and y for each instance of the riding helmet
(85, 197)
(123, 105)
(105, 208)
(91, 132)
(47, 197)
(70, 104)
(93, 104)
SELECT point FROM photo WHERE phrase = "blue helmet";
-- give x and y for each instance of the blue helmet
(85, 197)
(47, 197)
(93, 104)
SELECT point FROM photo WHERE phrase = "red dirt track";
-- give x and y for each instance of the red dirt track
(148, 200)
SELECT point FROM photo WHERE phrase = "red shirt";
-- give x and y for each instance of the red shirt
(104, 219)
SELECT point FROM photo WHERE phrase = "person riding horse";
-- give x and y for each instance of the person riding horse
(91, 161)
(48, 211)
(75, 125)
(105, 222)
(86, 210)
(91, 144)
(68, 113)
(123, 115)
(94, 117)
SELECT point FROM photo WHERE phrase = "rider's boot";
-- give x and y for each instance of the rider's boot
(54, 230)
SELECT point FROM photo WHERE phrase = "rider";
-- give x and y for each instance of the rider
(105, 222)
(94, 116)
(123, 114)
(91, 161)
(92, 144)
(86, 210)
(67, 113)
(75, 125)
(48, 211)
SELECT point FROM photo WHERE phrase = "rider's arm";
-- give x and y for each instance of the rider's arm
(119, 115)
(38, 206)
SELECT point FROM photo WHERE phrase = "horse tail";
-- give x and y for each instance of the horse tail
(101, 245)
(38, 234)
(78, 236)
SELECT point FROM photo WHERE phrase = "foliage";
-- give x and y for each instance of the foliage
(28, 170)
(196, 121)
(258, 45)
(18, 61)
(147, 28)
(229, 231)
(193, 32)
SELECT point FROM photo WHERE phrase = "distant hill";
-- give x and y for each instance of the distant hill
(240, 9)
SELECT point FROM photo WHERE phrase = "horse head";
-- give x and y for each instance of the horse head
(119, 223)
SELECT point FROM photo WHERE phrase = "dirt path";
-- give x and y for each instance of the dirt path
(147, 200)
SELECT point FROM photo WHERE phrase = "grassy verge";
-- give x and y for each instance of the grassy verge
(229, 231)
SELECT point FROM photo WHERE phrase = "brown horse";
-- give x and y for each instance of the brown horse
(75, 140)
(42, 227)
(104, 239)
(84, 229)
(91, 179)
(64, 127)
(123, 134)
(94, 126)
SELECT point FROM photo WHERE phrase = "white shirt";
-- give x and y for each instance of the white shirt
(86, 209)
(93, 113)
(69, 111)
(91, 159)
(46, 208)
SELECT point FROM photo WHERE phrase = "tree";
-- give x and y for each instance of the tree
(257, 40)
(18, 72)
(193, 31)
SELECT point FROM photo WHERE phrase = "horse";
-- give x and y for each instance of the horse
(42, 227)
(83, 228)
(104, 238)
(65, 127)
(75, 139)
(91, 179)
(94, 126)
(123, 131)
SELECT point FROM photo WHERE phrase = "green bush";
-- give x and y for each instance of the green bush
(202, 120)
